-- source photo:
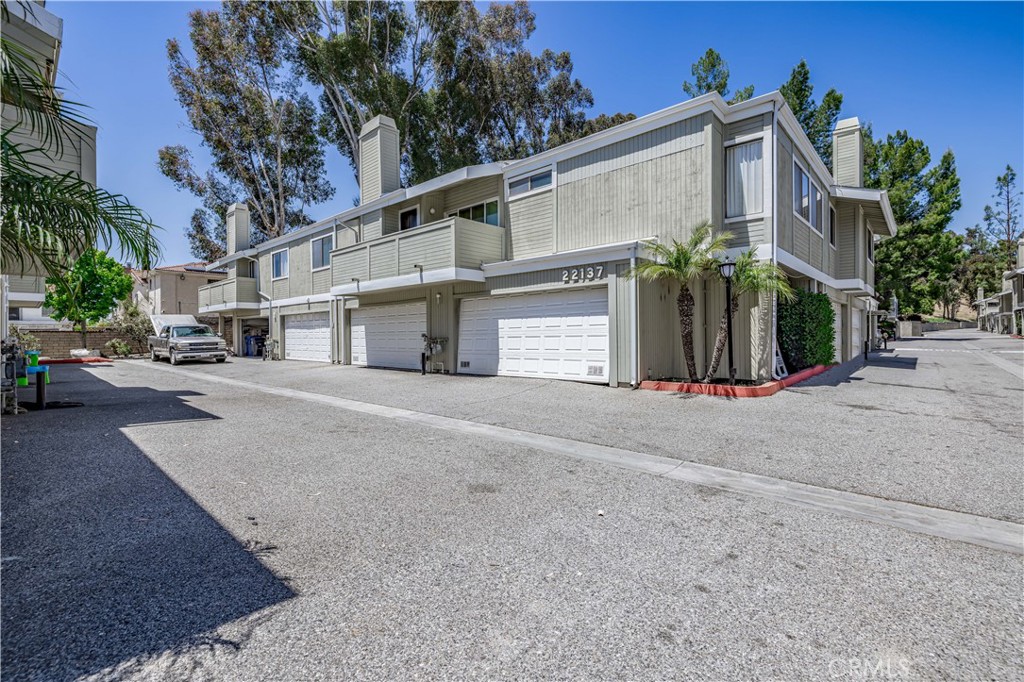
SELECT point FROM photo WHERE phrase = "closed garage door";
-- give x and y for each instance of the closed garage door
(838, 308)
(389, 335)
(307, 337)
(856, 325)
(555, 335)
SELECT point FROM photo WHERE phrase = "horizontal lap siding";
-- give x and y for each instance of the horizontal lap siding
(322, 281)
(431, 250)
(345, 266)
(748, 233)
(299, 269)
(531, 225)
(280, 289)
(471, 192)
(383, 260)
(477, 244)
(371, 226)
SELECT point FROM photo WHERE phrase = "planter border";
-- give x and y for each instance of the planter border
(72, 361)
(723, 390)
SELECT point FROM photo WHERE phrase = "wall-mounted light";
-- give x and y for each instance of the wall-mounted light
(433, 210)
(437, 297)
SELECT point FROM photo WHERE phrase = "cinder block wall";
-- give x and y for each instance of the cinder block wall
(58, 343)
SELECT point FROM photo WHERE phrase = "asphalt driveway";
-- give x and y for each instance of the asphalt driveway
(174, 528)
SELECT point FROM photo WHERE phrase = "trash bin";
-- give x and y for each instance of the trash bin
(248, 346)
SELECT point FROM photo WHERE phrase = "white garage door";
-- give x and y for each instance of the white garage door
(838, 308)
(389, 335)
(555, 335)
(856, 326)
(307, 337)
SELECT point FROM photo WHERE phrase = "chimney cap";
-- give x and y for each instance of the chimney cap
(847, 124)
(378, 121)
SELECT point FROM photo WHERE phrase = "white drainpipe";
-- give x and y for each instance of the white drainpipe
(634, 324)
(775, 231)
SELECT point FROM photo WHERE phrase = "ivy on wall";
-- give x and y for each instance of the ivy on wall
(807, 331)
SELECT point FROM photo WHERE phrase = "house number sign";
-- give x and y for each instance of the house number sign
(584, 273)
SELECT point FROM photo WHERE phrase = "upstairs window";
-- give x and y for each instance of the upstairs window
(816, 205)
(279, 264)
(322, 251)
(744, 180)
(486, 212)
(409, 218)
(832, 226)
(528, 184)
(871, 245)
(801, 193)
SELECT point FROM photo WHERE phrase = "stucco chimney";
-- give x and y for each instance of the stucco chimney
(238, 227)
(379, 166)
(848, 153)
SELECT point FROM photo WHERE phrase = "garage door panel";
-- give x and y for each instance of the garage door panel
(389, 335)
(558, 335)
(307, 337)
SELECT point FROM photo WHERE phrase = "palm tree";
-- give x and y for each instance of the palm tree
(47, 219)
(684, 262)
(751, 276)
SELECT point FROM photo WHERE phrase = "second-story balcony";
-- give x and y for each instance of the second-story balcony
(233, 295)
(444, 251)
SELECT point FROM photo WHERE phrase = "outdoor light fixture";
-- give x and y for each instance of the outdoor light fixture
(728, 269)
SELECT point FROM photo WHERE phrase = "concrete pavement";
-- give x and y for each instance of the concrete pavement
(180, 529)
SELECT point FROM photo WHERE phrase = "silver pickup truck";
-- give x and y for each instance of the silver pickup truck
(189, 341)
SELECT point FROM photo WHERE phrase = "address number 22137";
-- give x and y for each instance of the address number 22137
(585, 273)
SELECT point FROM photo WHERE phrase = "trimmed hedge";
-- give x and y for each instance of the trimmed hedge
(807, 331)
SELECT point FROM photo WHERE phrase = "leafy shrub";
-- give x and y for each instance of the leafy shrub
(134, 326)
(117, 348)
(25, 339)
(807, 331)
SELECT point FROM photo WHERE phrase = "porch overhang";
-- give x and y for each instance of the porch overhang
(441, 276)
(874, 203)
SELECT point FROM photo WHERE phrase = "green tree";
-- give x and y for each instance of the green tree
(750, 276)
(981, 265)
(1002, 222)
(923, 253)
(817, 120)
(684, 263)
(48, 217)
(88, 292)
(255, 122)
(711, 73)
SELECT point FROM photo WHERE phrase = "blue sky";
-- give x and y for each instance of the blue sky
(950, 73)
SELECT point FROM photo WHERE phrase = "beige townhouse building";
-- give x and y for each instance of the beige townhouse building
(519, 268)
(39, 33)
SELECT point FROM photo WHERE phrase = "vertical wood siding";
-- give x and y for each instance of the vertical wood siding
(846, 242)
(531, 226)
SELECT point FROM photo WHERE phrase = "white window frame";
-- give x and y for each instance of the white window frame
(311, 251)
(870, 245)
(530, 174)
(832, 220)
(287, 264)
(812, 186)
(411, 209)
(735, 142)
(455, 212)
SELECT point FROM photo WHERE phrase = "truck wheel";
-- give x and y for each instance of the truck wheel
(174, 358)
(153, 356)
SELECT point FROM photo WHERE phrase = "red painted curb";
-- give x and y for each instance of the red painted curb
(71, 361)
(762, 391)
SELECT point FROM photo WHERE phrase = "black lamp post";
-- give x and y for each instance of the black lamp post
(728, 268)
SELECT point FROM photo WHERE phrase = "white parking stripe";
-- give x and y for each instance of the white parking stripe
(978, 530)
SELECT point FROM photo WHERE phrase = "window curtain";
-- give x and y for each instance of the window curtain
(744, 183)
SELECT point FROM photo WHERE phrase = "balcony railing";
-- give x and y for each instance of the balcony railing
(445, 244)
(229, 294)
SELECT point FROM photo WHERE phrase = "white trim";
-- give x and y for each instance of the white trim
(605, 252)
(297, 300)
(410, 209)
(509, 179)
(765, 190)
(314, 239)
(228, 306)
(811, 183)
(411, 280)
(16, 296)
(831, 239)
(287, 263)
(495, 199)
(872, 195)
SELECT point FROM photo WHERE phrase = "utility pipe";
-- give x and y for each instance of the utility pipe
(634, 323)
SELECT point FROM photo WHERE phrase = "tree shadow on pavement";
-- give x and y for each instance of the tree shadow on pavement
(106, 561)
